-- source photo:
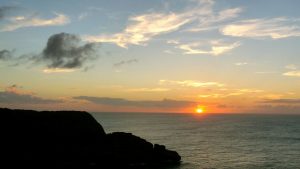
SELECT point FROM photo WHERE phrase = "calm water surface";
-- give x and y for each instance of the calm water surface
(217, 141)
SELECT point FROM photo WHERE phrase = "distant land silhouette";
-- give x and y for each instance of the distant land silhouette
(73, 139)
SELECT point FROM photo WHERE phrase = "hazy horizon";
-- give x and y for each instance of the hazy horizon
(217, 56)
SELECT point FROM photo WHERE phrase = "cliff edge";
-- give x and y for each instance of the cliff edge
(73, 139)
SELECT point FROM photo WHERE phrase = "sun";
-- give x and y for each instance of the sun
(199, 110)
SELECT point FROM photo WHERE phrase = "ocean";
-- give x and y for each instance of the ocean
(208, 141)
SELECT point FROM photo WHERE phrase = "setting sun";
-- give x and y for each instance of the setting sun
(199, 110)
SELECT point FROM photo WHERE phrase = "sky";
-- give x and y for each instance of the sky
(224, 56)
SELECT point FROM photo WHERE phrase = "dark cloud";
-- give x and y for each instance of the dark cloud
(64, 50)
(6, 54)
(11, 97)
(4, 10)
(282, 101)
(123, 62)
(12, 59)
(277, 109)
(166, 103)
(13, 94)
(278, 106)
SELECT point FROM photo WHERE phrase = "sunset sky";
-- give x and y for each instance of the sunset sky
(225, 56)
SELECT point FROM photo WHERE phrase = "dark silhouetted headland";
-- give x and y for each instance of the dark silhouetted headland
(73, 139)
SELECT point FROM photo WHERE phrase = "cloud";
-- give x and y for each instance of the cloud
(228, 14)
(16, 89)
(144, 27)
(63, 51)
(13, 95)
(4, 10)
(165, 103)
(295, 73)
(241, 63)
(9, 56)
(169, 52)
(216, 95)
(82, 16)
(6, 55)
(277, 109)
(214, 47)
(58, 70)
(275, 28)
(291, 67)
(33, 20)
(213, 20)
(190, 83)
(148, 90)
(231, 92)
(123, 62)
(176, 42)
(265, 72)
(237, 92)
(282, 101)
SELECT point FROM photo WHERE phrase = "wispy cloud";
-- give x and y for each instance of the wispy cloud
(241, 63)
(82, 16)
(231, 92)
(16, 89)
(266, 72)
(165, 103)
(144, 27)
(271, 96)
(282, 101)
(291, 67)
(172, 41)
(148, 90)
(58, 70)
(213, 20)
(211, 95)
(14, 95)
(34, 20)
(169, 52)
(295, 73)
(245, 91)
(124, 62)
(190, 83)
(275, 28)
(215, 47)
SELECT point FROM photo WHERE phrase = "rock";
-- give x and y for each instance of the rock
(72, 139)
(162, 155)
(130, 150)
(62, 139)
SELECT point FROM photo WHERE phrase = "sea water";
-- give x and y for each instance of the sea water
(207, 141)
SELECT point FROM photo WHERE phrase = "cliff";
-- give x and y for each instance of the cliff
(73, 139)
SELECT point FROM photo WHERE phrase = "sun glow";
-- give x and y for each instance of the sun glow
(199, 110)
